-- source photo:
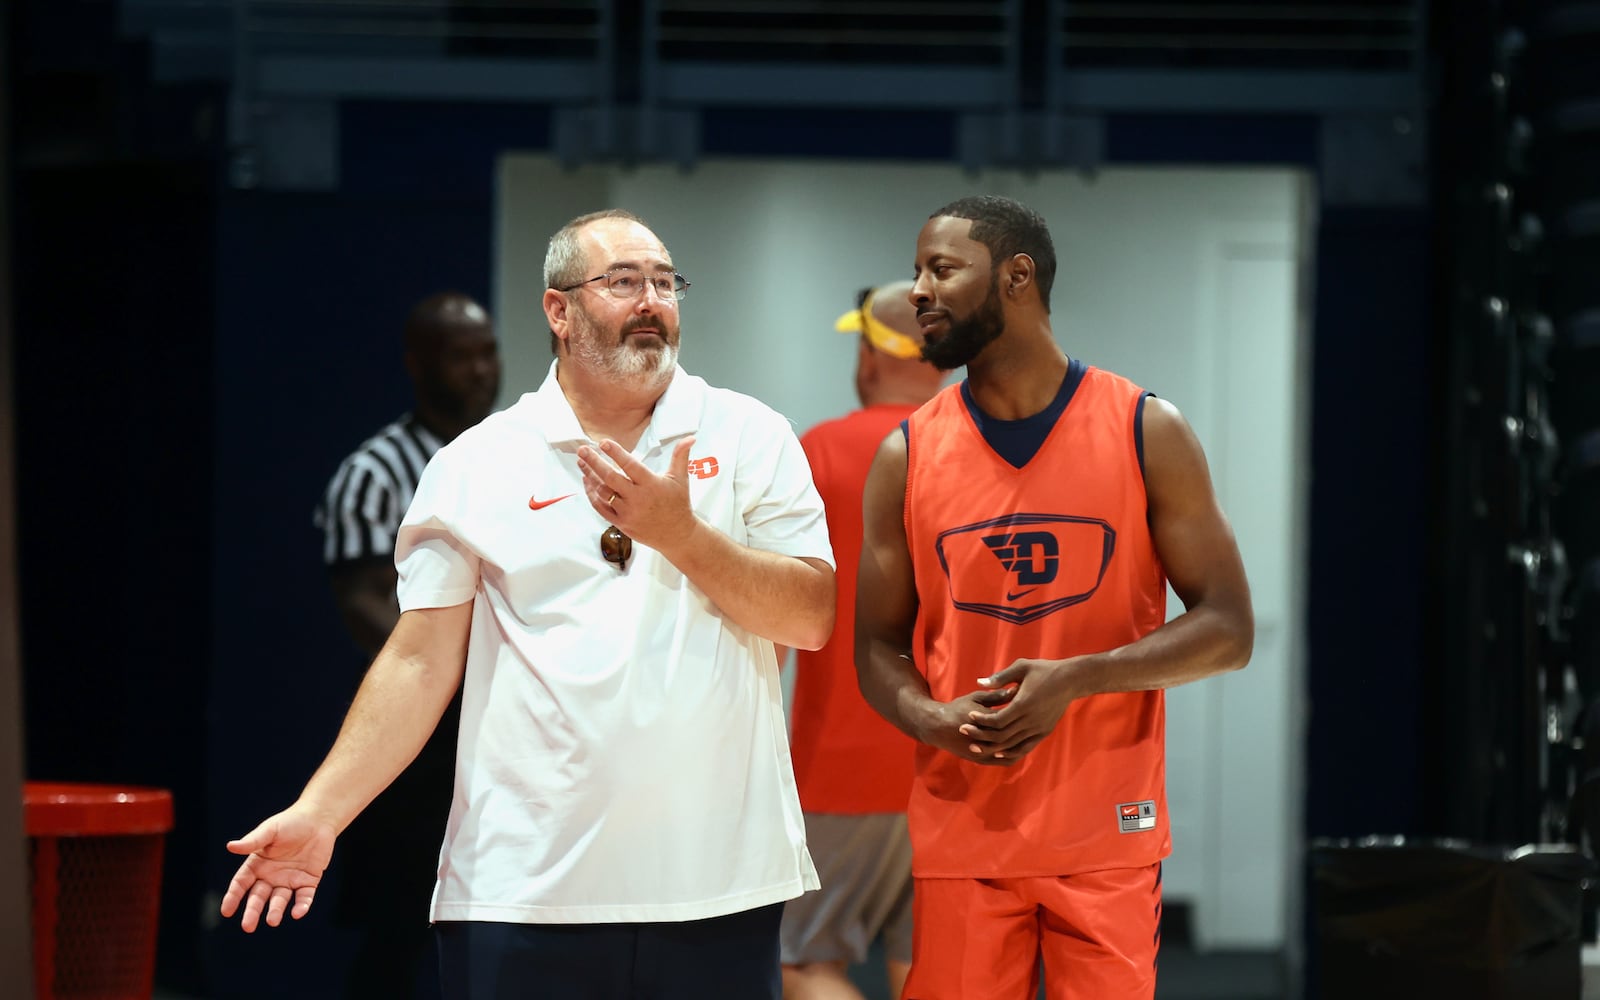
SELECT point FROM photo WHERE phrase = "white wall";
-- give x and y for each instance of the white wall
(1187, 281)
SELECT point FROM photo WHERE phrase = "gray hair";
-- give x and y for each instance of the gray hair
(563, 261)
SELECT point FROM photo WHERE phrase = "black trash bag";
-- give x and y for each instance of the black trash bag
(1423, 919)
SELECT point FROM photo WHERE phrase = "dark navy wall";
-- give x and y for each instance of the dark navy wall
(1372, 432)
(312, 293)
(113, 305)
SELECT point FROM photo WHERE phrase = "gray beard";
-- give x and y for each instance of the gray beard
(635, 367)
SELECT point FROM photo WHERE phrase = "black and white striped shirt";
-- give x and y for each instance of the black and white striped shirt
(360, 512)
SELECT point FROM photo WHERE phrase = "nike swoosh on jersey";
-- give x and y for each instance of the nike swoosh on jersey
(1021, 593)
(534, 503)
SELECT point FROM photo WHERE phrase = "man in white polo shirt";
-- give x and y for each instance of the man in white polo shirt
(604, 568)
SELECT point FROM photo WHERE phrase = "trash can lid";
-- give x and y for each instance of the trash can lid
(64, 809)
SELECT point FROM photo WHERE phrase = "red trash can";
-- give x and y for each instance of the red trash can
(94, 854)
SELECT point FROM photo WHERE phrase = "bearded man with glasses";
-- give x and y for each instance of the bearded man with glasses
(603, 569)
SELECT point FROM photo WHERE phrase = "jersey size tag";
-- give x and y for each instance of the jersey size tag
(1132, 817)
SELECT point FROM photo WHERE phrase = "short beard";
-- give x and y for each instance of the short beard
(637, 367)
(965, 339)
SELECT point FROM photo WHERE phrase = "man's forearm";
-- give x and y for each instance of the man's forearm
(894, 687)
(1197, 644)
(778, 597)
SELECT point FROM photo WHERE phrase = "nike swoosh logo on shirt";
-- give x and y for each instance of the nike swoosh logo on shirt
(534, 503)
(1021, 593)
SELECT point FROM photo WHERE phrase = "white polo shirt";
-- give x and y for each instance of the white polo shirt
(623, 755)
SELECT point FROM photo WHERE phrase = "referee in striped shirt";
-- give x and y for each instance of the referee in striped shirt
(388, 873)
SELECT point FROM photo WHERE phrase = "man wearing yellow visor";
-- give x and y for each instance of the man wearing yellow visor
(854, 769)
(877, 313)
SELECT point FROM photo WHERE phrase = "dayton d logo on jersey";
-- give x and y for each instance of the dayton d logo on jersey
(1024, 566)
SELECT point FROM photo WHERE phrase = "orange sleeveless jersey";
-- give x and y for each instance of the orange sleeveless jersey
(847, 759)
(1048, 561)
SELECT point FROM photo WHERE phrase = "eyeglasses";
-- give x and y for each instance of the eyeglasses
(616, 547)
(630, 283)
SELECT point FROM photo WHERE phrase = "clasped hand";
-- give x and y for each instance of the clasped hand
(1011, 714)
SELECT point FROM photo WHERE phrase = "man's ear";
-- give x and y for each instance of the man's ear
(556, 306)
(1019, 274)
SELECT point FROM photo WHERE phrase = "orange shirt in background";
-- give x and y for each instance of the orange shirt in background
(847, 759)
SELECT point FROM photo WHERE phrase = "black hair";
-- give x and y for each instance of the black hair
(1008, 227)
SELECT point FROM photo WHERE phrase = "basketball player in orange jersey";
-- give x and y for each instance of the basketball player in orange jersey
(1019, 535)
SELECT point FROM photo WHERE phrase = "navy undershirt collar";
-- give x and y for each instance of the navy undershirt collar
(1017, 441)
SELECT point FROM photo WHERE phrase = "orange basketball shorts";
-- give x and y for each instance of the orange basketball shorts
(1097, 934)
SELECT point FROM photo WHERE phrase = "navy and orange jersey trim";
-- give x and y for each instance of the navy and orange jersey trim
(1017, 441)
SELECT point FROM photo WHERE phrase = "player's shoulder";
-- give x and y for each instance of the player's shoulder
(1149, 404)
(1094, 375)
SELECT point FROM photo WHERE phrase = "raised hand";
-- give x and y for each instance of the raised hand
(287, 855)
(651, 509)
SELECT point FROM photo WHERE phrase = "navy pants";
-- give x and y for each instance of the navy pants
(731, 956)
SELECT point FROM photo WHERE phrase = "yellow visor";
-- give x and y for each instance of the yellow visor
(889, 341)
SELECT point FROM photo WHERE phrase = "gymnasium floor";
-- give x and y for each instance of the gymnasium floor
(1184, 976)
(1188, 976)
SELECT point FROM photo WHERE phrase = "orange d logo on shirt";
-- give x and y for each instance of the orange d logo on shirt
(703, 468)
